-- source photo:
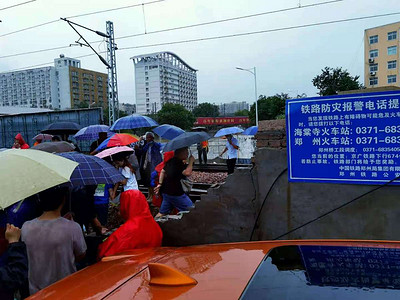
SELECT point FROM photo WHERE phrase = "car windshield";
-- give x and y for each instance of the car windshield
(327, 272)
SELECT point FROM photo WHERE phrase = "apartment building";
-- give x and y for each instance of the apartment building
(381, 56)
(64, 86)
(161, 78)
(229, 109)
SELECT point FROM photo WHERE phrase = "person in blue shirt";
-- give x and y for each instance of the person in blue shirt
(232, 146)
(102, 197)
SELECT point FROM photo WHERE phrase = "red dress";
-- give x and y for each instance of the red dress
(139, 231)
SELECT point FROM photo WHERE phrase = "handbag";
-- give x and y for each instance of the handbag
(186, 185)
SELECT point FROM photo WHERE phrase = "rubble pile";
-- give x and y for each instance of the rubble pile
(210, 178)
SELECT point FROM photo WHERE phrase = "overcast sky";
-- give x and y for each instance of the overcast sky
(286, 61)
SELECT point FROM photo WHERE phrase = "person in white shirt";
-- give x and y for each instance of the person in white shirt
(126, 169)
(232, 146)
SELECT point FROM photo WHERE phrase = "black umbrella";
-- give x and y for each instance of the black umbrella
(62, 128)
(185, 140)
(55, 147)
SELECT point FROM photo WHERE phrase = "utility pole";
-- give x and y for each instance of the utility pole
(113, 104)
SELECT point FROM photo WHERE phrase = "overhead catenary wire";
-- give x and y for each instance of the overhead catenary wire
(18, 4)
(248, 33)
(182, 27)
(261, 31)
(77, 16)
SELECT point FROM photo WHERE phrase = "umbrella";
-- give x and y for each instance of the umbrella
(24, 173)
(251, 130)
(92, 170)
(55, 147)
(92, 132)
(118, 139)
(62, 128)
(185, 140)
(133, 121)
(43, 137)
(114, 150)
(228, 130)
(168, 132)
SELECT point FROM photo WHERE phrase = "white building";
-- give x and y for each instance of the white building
(64, 86)
(29, 88)
(161, 78)
(226, 109)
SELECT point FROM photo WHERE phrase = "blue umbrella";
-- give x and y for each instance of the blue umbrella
(228, 130)
(168, 132)
(185, 140)
(133, 121)
(251, 130)
(91, 170)
(92, 132)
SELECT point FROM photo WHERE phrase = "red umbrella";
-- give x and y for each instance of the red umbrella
(121, 139)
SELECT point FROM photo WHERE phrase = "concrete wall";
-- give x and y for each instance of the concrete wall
(228, 214)
(225, 214)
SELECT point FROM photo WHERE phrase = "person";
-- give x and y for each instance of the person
(232, 147)
(56, 138)
(95, 144)
(19, 142)
(53, 243)
(83, 208)
(150, 158)
(170, 183)
(202, 149)
(126, 169)
(14, 274)
(140, 230)
(155, 177)
(102, 196)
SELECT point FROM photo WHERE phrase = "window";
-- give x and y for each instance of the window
(373, 53)
(373, 67)
(392, 64)
(392, 78)
(373, 81)
(392, 50)
(146, 73)
(392, 35)
(147, 78)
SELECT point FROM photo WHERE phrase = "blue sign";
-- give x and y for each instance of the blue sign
(344, 139)
(352, 266)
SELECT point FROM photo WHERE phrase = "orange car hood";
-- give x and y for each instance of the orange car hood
(221, 270)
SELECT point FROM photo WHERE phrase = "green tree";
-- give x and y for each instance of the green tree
(241, 113)
(206, 110)
(331, 81)
(269, 108)
(175, 114)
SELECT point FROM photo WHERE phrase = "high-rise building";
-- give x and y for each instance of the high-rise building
(381, 56)
(64, 86)
(227, 109)
(161, 78)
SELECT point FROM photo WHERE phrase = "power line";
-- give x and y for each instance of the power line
(77, 16)
(114, 9)
(184, 27)
(246, 33)
(261, 31)
(15, 5)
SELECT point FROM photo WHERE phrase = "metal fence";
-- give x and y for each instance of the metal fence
(31, 124)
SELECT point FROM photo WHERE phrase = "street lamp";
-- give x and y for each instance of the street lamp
(253, 71)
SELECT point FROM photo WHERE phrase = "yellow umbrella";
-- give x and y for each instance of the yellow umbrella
(25, 172)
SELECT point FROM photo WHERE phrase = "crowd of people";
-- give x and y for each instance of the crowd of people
(51, 242)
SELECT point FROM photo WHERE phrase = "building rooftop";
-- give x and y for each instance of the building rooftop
(14, 110)
(158, 54)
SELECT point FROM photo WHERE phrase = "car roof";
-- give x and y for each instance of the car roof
(221, 270)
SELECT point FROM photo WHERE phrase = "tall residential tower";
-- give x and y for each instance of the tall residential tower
(161, 78)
